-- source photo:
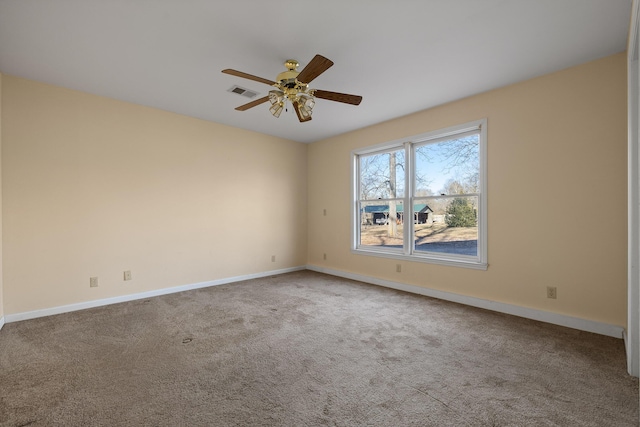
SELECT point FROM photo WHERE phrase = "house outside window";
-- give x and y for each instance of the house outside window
(423, 198)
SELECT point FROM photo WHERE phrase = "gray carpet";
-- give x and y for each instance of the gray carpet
(306, 349)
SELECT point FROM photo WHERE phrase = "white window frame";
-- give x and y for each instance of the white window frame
(407, 253)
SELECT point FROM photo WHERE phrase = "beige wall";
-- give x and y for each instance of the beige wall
(556, 194)
(94, 186)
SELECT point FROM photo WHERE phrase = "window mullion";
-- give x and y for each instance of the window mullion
(355, 185)
(408, 199)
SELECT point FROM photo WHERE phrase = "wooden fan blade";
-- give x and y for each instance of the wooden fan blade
(252, 103)
(248, 76)
(297, 108)
(318, 65)
(338, 97)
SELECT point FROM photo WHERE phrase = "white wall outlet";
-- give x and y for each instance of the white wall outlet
(552, 292)
(127, 275)
(273, 258)
(324, 257)
(324, 212)
(398, 268)
(93, 282)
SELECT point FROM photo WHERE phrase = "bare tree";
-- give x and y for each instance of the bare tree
(380, 176)
(462, 155)
(452, 186)
(373, 178)
(379, 179)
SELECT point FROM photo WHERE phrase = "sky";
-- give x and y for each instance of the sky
(434, 164)
(435, 169)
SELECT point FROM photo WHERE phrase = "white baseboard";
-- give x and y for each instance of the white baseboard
(529, 313)
(124, 298)
(615, 331)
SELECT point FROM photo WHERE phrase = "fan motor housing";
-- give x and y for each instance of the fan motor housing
(288, 78)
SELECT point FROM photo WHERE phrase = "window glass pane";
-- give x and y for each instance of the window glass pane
(438, 180)
(448, 167)
(447, 225)
(381, 224)
(382, 175)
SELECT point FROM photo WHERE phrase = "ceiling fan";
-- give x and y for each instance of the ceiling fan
(293, 86)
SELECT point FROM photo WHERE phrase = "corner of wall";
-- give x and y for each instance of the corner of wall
(1, 281)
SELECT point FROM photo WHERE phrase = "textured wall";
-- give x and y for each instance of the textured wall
(557, 176)
(94, 186)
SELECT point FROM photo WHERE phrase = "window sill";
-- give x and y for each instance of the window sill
(450, 261)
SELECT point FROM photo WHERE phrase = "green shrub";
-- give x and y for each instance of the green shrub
(460, 213)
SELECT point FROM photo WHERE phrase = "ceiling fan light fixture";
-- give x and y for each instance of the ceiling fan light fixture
(276, 108)
(305, 112)
(308, 101)
(305, 105)
(275, 96)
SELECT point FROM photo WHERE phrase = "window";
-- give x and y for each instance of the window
(424, 198)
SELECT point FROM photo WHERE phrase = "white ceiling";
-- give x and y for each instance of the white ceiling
(402, 56)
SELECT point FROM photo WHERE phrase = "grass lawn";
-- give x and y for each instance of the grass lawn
(379, 235)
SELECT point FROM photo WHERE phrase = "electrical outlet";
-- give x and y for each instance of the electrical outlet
(324, 212)
(93, 282)
(398, 268)
(273, 258)
(552, 292)
(127, 275)
(324, 257)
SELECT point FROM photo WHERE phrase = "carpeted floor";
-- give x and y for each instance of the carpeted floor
(306, 349)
